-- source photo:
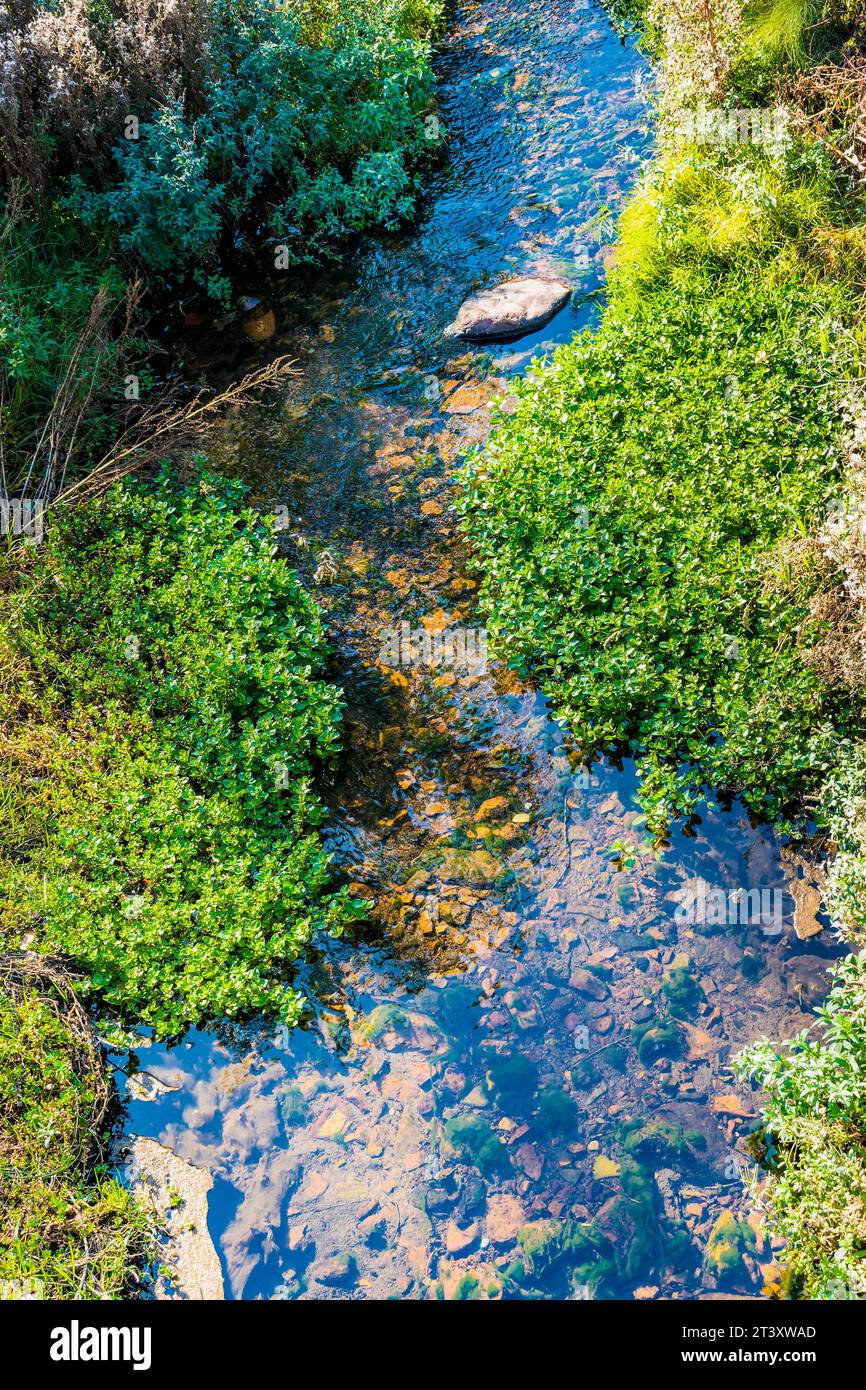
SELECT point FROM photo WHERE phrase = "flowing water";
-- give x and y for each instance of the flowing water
(516, 1080)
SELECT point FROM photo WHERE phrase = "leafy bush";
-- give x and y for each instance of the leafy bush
(623, 513)
(843, 808)
(311, 143)
(168, 716)
(298, 123)
(815, 1112)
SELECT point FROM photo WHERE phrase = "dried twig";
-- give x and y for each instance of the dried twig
(167, 425)
(25, 970)
(829, 104)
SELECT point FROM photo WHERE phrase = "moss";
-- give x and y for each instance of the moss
(474, 1142)
(657, 1139)
(512, 1077)
(467, 1289)
(681, 992)
(385, 1018)
(578, 1251)
(557, 1110)
(654, 1040)
(730, 1238)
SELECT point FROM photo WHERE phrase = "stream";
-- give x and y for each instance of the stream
(515, 1080)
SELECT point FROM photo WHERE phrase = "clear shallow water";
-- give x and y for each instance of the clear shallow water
(470, 1111)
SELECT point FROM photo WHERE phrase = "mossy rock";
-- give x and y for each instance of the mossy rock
(573, 1246)
(474, 1142)
(293, 1106)
(615, 1057)
(557, 1110)
(681, 992)
(730, 1239)
(752, 967)
(512, 1076)
(654, 1040)
(385, 1018)
(648, 1139)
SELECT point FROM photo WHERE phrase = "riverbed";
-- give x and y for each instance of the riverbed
(515, 1081)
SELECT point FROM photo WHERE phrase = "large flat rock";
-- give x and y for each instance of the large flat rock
(178, 1192)
(509, 310)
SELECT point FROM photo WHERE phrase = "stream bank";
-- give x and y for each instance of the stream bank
(516, 1081)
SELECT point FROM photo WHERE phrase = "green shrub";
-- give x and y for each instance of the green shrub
(815, 1111)
(310, 130)
(624, 514)
(843, 808)
(174, 694)
(51, 270)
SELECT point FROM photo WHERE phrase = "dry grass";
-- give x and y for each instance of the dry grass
(829, 104)
(22, 972)
(64, 1221)
(176, 421)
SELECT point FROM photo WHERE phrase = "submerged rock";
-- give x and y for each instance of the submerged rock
(336, 1270)
(459, 1240)
(259, 320)
(807, 905)
(509, 310)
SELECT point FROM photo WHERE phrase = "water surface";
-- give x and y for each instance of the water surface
(516, 1081)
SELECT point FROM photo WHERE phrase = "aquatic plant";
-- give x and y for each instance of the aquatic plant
(474, 1142)
(384, 1018)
